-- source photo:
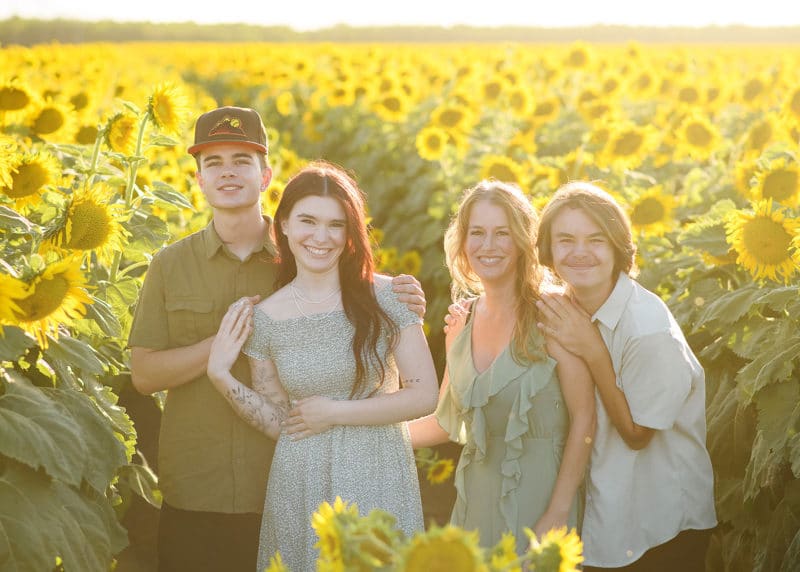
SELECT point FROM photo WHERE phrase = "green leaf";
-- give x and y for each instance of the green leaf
(792, 555)
(102, 315)
(731, 306)
(162, 140)
(13, 221)
(42, 519)
(14, 342)
(780, 298)
(142, 481)
(167, 194)
(775, 364)
(794, 454)
(74, 353)
(40, 432)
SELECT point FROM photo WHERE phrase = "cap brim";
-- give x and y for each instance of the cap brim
(194, 149)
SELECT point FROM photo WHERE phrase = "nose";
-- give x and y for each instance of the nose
(321, 233)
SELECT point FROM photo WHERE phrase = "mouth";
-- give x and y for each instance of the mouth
(489, 260)
(317, 251)
(229, 188)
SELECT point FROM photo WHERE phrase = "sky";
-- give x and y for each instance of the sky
(309, 15)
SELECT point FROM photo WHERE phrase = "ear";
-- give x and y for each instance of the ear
(266, 177)
(283, 227)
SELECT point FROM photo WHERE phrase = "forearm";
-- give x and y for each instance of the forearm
(158, 370)
(635, 436)
(386, 409)
(426, 432)
(574, 461)
(265, 413)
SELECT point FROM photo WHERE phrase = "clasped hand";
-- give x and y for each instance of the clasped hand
(233, 331)
(564, 321)
(310, 416)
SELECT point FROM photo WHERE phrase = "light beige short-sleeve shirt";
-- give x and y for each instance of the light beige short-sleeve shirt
(636, 500)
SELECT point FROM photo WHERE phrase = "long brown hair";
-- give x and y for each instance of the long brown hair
(522, 220)
(356, 265)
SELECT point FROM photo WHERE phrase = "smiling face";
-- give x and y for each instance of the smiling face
(231, 177)
(582, 254)
(489, 244)
(316, 231)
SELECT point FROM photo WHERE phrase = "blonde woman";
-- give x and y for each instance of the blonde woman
(523, 409)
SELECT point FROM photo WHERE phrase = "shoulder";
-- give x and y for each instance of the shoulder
(646, 313)
(179, 249)
(277, 305)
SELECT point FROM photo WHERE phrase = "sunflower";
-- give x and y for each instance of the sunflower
(504, 556)
(626, 145)
(753, 90)
(168, 106)
(520, 101)
(8, 160)
(272, 196)
(453, 117)
(651, 211)
(325, 523)
(391, 106)
(121, 133)
(493, 88)
(56, 296)
(11, 290)
(545, 110)
(431, 143)
(31, 174)
(91, 223)
(440, 471)
(780, 181)
(52, 120)
(761, 133)
(441, 549)
(503, 169)
(14, 97)
(375, 539)
(697, 137)
(558, 550)
(763, 241)
(579, 56)
(285, 104)
(86, 135)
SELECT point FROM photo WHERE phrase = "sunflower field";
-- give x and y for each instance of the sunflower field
(700, 142)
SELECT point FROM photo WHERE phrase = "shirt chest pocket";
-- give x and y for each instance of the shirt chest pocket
(190, 319)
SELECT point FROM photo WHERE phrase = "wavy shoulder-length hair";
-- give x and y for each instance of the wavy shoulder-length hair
(522, 220)
(356, 264)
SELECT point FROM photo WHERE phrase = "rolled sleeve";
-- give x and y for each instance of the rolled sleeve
(656, 378)
(150, 327)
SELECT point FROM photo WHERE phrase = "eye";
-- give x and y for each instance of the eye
(475, 232)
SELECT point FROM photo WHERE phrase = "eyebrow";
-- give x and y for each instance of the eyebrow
(504, 227)
(593, 235)
(241, 155)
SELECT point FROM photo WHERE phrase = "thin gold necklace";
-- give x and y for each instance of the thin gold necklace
(297, 293)
(313, 317)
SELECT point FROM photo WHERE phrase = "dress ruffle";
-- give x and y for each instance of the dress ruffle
(461, 414)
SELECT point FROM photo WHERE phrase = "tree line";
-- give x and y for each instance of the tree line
(27, 32)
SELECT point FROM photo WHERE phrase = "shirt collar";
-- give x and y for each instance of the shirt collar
(611, 311)
(213, 243)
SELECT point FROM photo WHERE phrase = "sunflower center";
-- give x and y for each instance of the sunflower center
(577, 58)
(780, 185)
(794, 104)
(86, 135)
(89, 226)
(79, 100)
(50, 120)
(392, 103)
(451, 118)
(433, 142)
(628, 144)
(698, 135)
(46, 298)
(760, 135)
(752, 89)
(688, 95)
(13, 99)
(28, 179)
(766, 240)
(648, 211)
(544, 109)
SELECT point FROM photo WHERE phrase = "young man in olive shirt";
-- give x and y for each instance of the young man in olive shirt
(212, 466)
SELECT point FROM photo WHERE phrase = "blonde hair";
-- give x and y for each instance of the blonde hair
(527, 344)
(601, 207)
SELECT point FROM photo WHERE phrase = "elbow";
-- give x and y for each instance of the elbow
(141, 384)
(428, 405)
(637, 438)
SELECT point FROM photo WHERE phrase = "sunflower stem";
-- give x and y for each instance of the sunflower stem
(129, 189)
(95, 155)
(133, 267)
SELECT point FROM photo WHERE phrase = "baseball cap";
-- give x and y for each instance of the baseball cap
(229, 125)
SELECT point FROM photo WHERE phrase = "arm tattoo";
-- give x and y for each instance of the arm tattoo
(262, 407)
(409, 381)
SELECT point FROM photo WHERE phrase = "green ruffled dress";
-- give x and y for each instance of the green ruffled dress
(513, 422)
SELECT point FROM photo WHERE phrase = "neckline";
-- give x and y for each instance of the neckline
(501, 353)
(308, 318)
